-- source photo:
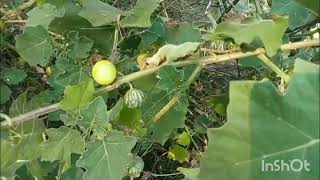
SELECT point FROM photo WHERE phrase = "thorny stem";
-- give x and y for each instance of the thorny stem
(136, 75)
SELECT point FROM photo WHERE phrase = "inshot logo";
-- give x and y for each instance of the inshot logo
(295, 165)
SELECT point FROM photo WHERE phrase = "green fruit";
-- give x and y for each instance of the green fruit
(104, 72)
(133, 98)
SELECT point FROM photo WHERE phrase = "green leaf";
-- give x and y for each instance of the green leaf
(70, 118)
(43, 15)
(139, 16)
(184, 33)
(95, 115)
(34, 45)
(72, 174)
(131, 117)
(190, 173)
(71, 21)
(172, 118)
(42, 99)
(219, 103)
(183, 139)
(314, 5)
(108, 158)
(201, 123)
(98, 13)
(114, 112)
(61, 144)
(264, 126)
(169, 78)
(152, 34)
(66, 73)
(270, 32)
(77, 96)
(298, 15)
(5, 93)
(13, 75)
(80, 47)
(178, 153)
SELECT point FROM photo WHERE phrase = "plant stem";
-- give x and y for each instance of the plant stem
(31, 115)
(273, 67)
(136, 75)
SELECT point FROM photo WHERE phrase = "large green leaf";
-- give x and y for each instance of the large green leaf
(77, 96)
(270, 32)
(34, 45)
(108, 158)
(95, 115)
(43, 15)
(264, 126)
(139, 16)
(184, 33)
(71, 21)
(298, 15)
(311, 4)
(98, 13)
(13, 75)
(61, 144)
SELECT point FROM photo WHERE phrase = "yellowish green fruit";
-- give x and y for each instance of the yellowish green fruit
(48, 71)
(104, 72)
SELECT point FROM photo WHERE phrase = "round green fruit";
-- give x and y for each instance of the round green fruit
(133, 98)
(104, 72)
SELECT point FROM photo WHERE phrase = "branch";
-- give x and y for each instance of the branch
(137, 75)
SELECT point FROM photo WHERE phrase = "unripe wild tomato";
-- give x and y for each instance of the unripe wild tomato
(104, 72)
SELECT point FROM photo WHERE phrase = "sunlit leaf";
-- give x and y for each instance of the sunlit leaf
(77, 96)
(34, 45)
(178, 153)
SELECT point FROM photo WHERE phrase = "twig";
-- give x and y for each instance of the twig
(137, 75)
(165, 109)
